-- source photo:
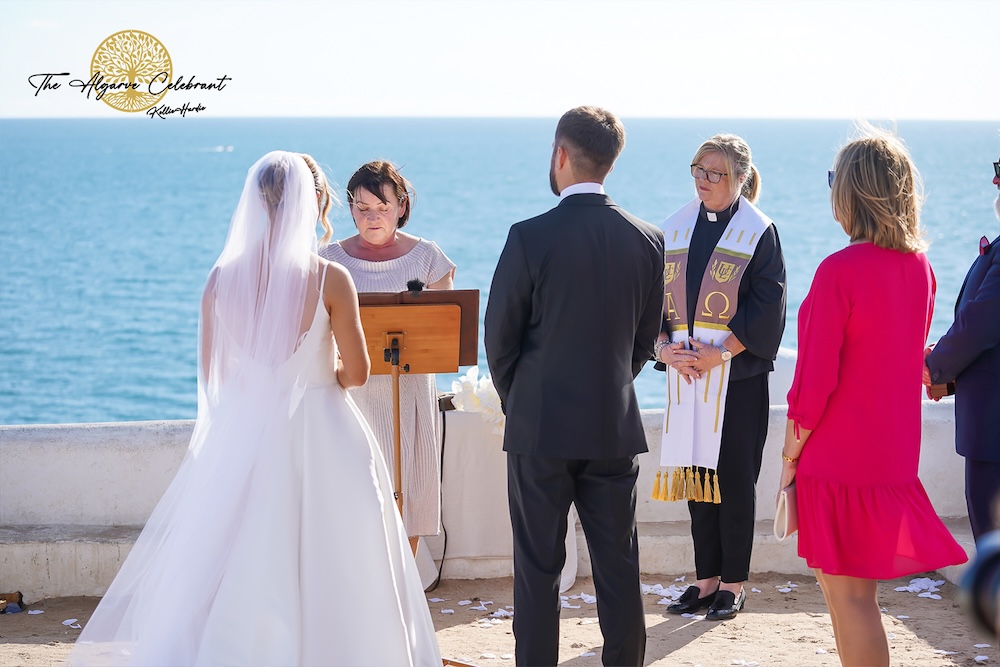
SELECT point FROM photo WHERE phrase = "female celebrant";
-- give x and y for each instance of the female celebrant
(282, 493)
(383, 258)
(723, 316)
(852, 442)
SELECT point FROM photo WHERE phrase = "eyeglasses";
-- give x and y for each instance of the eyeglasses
(829, 178)
(700, 172)
(996, 168)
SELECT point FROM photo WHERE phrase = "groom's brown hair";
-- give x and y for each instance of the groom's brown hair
(594, 137)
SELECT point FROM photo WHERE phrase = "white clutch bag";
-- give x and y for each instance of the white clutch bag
(786, 517)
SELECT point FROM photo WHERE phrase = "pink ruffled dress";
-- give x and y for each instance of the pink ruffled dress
(862, 329)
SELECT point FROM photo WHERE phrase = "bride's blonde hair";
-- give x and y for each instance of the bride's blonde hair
(327, 198)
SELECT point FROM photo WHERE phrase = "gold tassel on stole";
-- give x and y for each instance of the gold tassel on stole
(677, 485)
(686, 484)
(690, 483)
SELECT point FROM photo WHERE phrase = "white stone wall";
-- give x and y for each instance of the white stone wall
(113, 474)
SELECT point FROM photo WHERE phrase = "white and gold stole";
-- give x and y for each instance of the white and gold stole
(693, 417)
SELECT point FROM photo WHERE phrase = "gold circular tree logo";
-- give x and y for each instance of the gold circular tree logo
(129, 61)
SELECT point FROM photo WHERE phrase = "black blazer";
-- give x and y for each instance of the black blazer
(969, 354)
(573, 313)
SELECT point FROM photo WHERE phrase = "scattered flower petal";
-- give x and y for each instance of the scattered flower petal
(436, 600)
(488, 656)
(982, 658)
(820, 651)
(465, 602)
(980, 646)
(507, 656)
(32, 612)
(588, 654)
(447, 611)
(755, 590)
(69, 621)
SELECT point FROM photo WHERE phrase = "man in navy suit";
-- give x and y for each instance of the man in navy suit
(573, 313)
(969, 356)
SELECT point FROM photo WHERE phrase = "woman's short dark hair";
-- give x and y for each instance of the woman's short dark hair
(595, 136)
(373, 176)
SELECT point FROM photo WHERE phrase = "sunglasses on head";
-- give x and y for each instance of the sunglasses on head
(829, 178)
(996, 169)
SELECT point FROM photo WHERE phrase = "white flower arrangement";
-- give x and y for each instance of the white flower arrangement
(477, 394)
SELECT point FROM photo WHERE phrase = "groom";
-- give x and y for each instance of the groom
(573, 313)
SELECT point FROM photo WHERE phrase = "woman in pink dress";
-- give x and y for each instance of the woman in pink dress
(854, 406)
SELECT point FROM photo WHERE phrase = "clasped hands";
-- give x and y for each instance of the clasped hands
(926, 379)
(691, 364)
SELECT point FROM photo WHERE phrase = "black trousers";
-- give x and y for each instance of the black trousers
(723, 533)
(540, 491)
(982, 485)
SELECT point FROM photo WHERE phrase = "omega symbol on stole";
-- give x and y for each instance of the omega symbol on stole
(722, 314)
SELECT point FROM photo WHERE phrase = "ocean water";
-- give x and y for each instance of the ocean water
(108, 228)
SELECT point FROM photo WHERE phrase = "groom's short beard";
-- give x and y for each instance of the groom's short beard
(552, 177)
(996, 206)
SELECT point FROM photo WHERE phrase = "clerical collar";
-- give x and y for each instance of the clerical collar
(722, 216)
(581, 189)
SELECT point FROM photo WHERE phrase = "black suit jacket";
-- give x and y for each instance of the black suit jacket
(969, 354)
(572, 316)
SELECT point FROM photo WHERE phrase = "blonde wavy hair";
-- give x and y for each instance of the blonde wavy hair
(739, 163)
(877, 191)
(326, 200)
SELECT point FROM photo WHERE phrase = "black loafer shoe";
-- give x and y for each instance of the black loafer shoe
(726, 605)
(689, 602)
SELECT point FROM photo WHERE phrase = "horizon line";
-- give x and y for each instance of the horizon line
(123, 115)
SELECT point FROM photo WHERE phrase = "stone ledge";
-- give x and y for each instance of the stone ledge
(665, 547)
(44, 561)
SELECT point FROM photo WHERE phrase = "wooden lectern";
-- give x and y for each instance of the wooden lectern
(430, 331)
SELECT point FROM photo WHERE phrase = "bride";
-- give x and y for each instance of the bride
(277, 543)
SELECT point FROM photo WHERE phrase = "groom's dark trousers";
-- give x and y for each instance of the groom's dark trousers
(573, 313)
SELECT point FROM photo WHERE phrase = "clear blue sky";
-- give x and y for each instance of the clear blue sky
(698, 58)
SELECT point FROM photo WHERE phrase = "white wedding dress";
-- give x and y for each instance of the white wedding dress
(278, 542)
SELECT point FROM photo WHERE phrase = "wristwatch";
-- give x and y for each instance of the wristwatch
(726, 354)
